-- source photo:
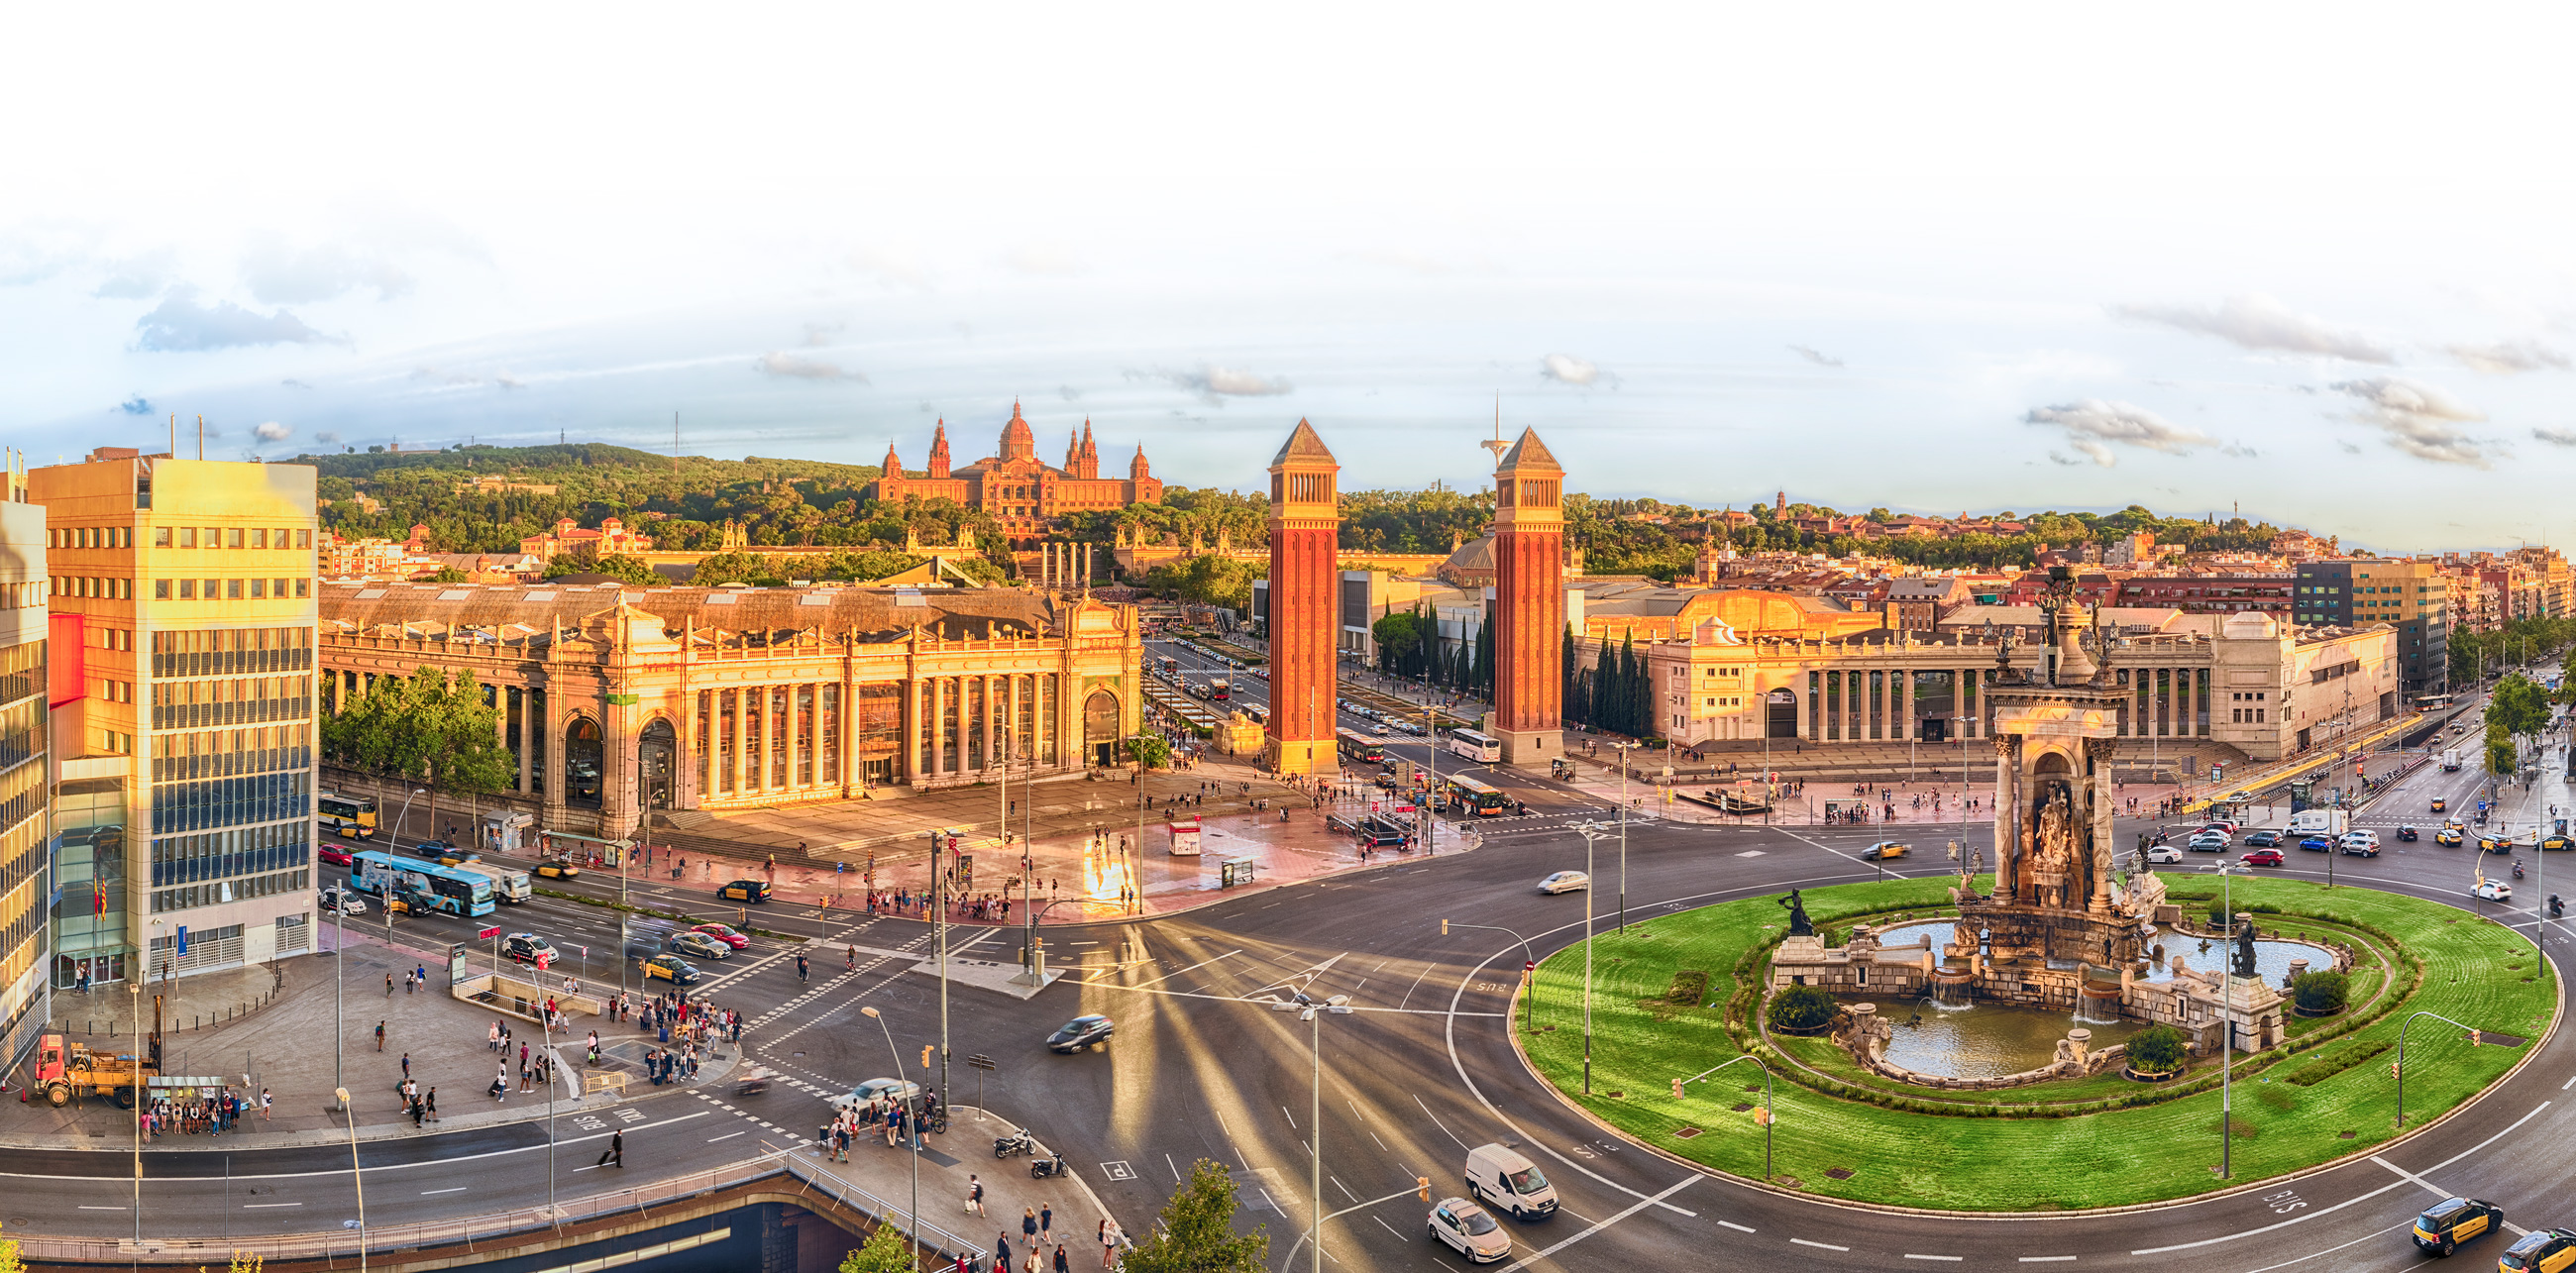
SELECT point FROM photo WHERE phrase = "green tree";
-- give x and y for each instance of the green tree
(2321, 993)
(623, 567)
(444, 574)
(2158, 1049)
(1801, 1008)
(1195, 1232)
(425, 728)
(735, 567)
(885, 1251)
(1149, 750)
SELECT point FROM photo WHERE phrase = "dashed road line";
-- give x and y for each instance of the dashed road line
(1827, 1246)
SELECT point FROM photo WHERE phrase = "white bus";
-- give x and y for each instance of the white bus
(1475, 746)
(351, 817)
(507, 885)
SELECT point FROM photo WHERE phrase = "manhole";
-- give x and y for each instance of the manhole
(2345, 1136)
(1618, 1096)
(1741, 1107)
(1683, 1134)
(1839, 1173)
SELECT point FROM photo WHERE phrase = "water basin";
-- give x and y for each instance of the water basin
(2271, 958)
(1987, 1040)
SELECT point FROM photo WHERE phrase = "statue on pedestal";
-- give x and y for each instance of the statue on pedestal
(2245, 948)
(1799, 924)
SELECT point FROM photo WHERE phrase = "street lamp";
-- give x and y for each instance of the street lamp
(912, 1223)
(355, 1178)
(1312, 1012)
(1624, 749)
(1530, 973)
(1769, 1119)
(2227, 872)
(1590, 831)
(134, 996)
(405, 813)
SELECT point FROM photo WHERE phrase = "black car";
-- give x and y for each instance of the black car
(2263, 840)
(2407, 834)
(2447, 1224)
(1080, 1033)
(744, 891)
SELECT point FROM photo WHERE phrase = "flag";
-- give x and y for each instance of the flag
(97, 899)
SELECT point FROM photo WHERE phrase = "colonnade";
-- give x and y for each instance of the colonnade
(1878, 704)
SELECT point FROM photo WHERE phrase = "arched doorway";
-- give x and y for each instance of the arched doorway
(581, 762)
(657, 761)
(1780, 714)
(1100, 727)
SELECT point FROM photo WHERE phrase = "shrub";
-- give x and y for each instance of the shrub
(2321, 993)
(2156, 1050)
(1799, 1009)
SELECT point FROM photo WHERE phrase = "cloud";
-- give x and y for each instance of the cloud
(2068, 461)
(1815, 357)
(2257, 321)
(508, 380)
(32, 255)
(138, 277)
(272, 432)
(136, 405)
(180, 324)
(2556, 437)
(437, 375)
(2349, 448)
(890, 269)
(1046, 260)
(1214, 384)
(818, 335)
(803, 368)
(326, 437)
(1570, 370)
(279, 274)
(2419, 419)
(2505, 357)
(1419, 264)
(2092, 425)
(293, 383)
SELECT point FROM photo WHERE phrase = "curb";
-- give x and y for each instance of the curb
(2532, 1054)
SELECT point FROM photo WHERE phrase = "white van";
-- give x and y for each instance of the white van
(1508, 1181)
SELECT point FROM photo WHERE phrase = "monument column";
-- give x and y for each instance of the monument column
(2009, 817)
(1305, 600)
(1529, 603)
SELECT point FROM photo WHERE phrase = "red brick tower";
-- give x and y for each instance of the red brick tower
(1305, 616)
(1529, 603)
(939, 452)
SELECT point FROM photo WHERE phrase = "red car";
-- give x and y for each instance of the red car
(335, 855)
(724, 933)
(2264, 857)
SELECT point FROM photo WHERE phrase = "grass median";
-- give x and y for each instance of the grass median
(2006, 1151)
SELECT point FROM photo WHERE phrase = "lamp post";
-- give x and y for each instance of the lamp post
(340, 983)
(546, 1028)
(624, 852)
(1528, 1001)
(1624, 749)
(1590, 831)
(1312, 1012)
(134, 996)
(2397, 1068)
(912, 1223)
(2227, 1028)
(355, 1179)
(405, 813)
(1769, 1120)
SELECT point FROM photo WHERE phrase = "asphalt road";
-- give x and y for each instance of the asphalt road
(1203, 1067)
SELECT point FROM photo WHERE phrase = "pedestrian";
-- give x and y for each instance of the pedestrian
(265, 1103)
(500, 1084)
(406, 1067)
(492, 1042)
(1029, 1227)
(974, 1194)
(380, 1036)
(1062, 1265)
(389, 985)
(415, 1114)
(431, 1100)
(1108, 1248)
(406, 982)
(1046, 1224)
(615, 1153)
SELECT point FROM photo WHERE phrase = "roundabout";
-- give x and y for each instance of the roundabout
(1675, 996)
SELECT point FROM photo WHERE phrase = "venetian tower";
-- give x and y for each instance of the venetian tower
(1529, 603)
(1305, 620)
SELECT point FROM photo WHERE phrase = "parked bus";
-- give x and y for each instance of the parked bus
(1219, 688)
(1475, 746)
(507, 885)
(1480, 799)
(449, 888)
(1356, 746)
(350, 817)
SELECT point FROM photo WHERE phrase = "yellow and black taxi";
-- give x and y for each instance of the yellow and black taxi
(558, 868)
(670, 968)
(2447, 1224)
(2439, 804)
(2556, 843)
(2452, 833)
(744, 891)
(2540, 1251)
(2495, 844)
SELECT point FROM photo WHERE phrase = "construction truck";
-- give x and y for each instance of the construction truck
(65, 1070)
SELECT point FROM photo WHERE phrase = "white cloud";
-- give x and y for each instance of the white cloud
(440, 375)
(508, 380)
(1570, 370)
(181, 324)
(1214, 384)
(2420, 420)
(2556, 437)
(326, 437)
(280, 274)
(138, 277)
(1815, 356)
(2257, 321)
(2505, 357)
(799, 367)
(272, 432)
(2091, 425)
(1045, 259)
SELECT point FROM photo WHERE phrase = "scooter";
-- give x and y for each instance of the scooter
(2517, 870)
(1049, 1166)
(1015, 1144)
(2555, 910)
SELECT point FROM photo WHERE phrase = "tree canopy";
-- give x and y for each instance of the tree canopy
(1195, 1232)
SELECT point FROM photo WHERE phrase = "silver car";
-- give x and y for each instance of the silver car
(1467, 1229)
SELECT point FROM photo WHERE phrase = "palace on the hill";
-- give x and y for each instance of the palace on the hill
(1022, 492)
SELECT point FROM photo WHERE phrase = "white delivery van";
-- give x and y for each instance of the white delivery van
(2325, 822)
(2451, 760)
(1506, 1180)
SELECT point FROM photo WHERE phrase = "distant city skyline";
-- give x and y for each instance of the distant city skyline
(2027, 293)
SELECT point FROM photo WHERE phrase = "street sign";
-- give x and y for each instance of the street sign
(455, 963)
(487, 934)
(979, 1061)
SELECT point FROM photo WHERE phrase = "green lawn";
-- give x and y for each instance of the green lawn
(2474, 970)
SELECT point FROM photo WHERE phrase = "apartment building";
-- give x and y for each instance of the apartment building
(182, 633)
(2410, 596)
(27, 886)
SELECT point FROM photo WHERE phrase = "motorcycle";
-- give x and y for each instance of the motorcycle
(1049, 1166)
(2555, 910)
(1015, 1144)
(2517, 870)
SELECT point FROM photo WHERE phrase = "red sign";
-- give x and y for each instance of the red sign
(487, 934)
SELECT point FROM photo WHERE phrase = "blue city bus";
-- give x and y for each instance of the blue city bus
(451, 890)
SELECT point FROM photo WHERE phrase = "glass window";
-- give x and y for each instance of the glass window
(303, 588)
(277, 588)
(233, 537)
(187, 590)
(187, 537)
(232, 590)
(258, 589)
(304, 539)
(259, 537)
(160, 589)
(160, 536)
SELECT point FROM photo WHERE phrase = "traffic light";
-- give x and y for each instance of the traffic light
(1677, 1089)
(1444, 928)
(1422, 1187)
(925, 1055)
(2474, 1039)
(1762, 1117)
(2392, 1069)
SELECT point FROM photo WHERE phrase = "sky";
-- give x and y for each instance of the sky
(2308, 262)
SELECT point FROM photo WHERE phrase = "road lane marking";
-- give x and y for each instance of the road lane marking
(262, 1206)
(2047, 1259)
(1740, 1228)
(1828, 1246)
(427, 1192)
(1641, 1204)
(728, 1136)
(1951, 1259)
(2440, 1192)
(1435, 1121)
(86, 1207)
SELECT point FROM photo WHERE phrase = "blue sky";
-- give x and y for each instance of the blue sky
(2307, 261)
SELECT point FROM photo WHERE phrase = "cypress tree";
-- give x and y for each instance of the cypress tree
(1603, 699)
(1628, 678)
(1484, 680)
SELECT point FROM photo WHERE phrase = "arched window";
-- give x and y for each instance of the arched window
(582, 771)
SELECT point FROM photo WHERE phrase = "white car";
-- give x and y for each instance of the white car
(2493, 891)
(2164, 853)
(871, 1098)
(343, 901)
(1565, 882)
(1466, 1228)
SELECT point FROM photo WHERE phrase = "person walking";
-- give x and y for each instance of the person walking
(266, 1102)
(430, 1100)
(1002, 1252)
(389, 985)
(1046, 1224)
(615, 1153)
(380, 1036)
(406, 1064)
(1029, 1227)
(1062, 1265)
(974, 1194)
(501, 1083)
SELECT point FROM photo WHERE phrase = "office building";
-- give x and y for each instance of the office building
(26, 883)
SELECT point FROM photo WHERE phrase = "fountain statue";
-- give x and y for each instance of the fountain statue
(2245, 946)
(1799, 924)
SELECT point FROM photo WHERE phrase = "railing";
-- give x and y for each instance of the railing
(638, 1201)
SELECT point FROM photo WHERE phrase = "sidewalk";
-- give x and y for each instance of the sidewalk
(881, 1182)
(287, 1049)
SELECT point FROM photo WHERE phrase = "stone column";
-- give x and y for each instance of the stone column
(2008, 815)
(526, 721)
(1900, 697)
(2097, 802)
(1011, 721)
(734, 742)
(916, 698)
